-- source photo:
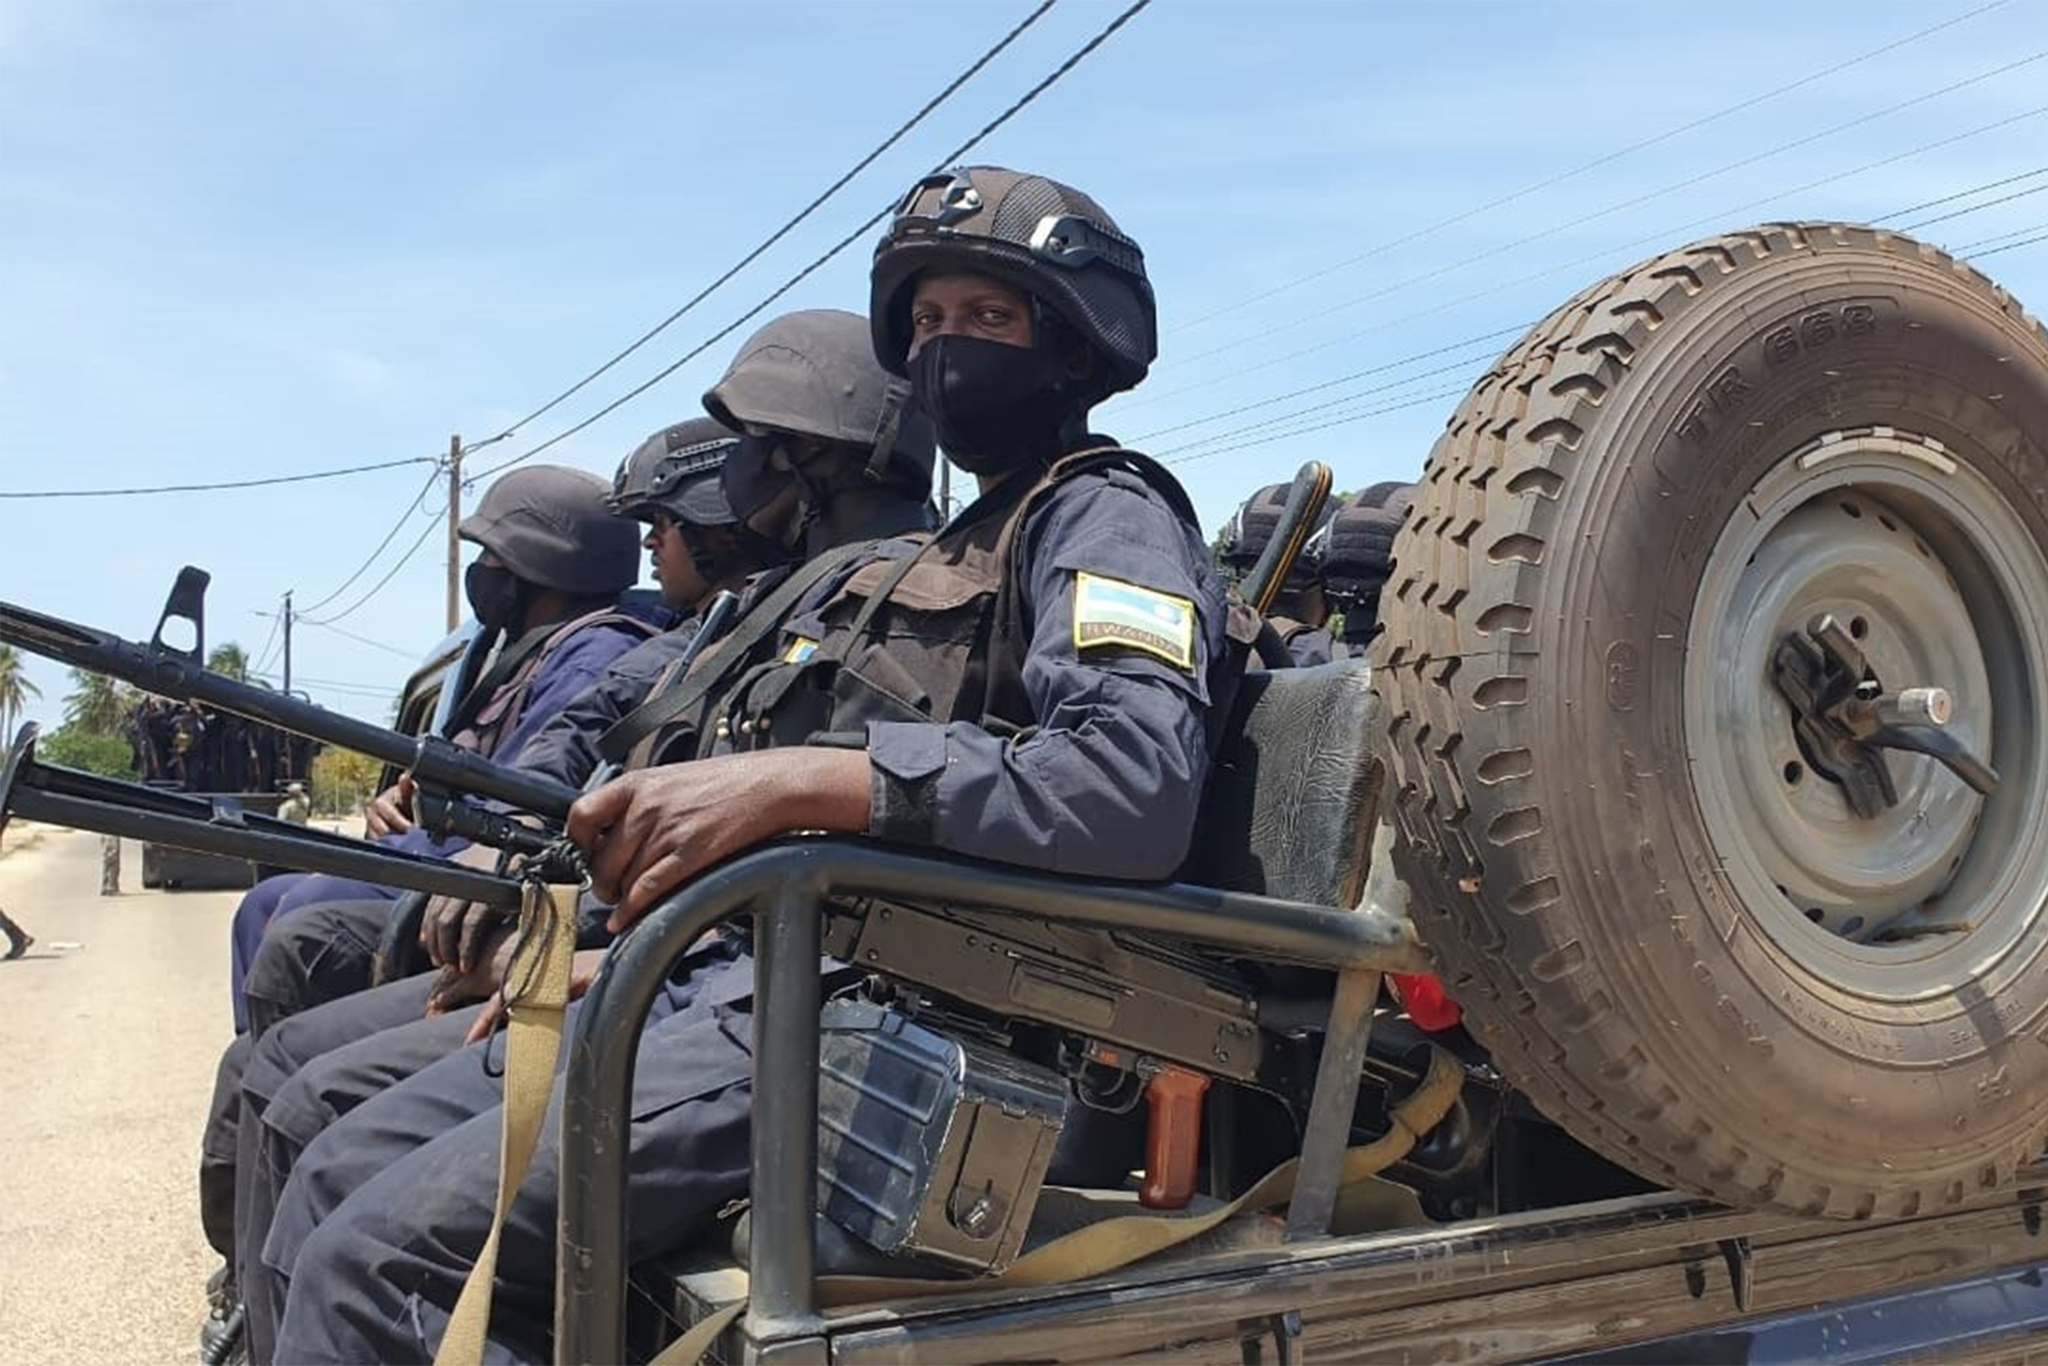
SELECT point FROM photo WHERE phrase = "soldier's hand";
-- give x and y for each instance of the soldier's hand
(454, 931)
(390, 811)
(582, 972)
(650, 831)
(457, 987)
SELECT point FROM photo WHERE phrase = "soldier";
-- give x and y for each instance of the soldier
(553, 563)
(1353, 556)
(552, 566)
(814, 372)
(1033, 685)
(18, 939)
(1299, 614)
(295, 808)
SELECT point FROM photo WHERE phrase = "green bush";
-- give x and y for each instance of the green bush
(107, 755)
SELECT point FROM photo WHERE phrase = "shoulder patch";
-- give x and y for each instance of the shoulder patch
(1112, 612)
(800, 650)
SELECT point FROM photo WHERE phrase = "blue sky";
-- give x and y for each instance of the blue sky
(239, 240)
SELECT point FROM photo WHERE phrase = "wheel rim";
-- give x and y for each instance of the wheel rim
(1941, 584)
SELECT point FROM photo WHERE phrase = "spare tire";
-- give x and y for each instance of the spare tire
(1660, 912)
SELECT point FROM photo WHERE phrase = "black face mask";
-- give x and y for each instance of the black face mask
(996, 406)
(493, 593)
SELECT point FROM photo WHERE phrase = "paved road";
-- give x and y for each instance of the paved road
(107, 1053)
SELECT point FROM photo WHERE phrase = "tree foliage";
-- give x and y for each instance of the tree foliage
(343, 780)
(15, 691)
(230, 659)
(97, 704)
(71, 747)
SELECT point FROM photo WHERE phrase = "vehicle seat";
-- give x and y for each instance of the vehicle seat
(1294, 787)
(1289, 811)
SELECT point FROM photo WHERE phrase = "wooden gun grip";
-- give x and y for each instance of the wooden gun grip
(1173, 1138)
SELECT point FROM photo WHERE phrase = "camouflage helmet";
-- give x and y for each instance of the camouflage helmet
(1250, 529)
(1051, 241)
(813, 372)
(676, 472)
(552, 526)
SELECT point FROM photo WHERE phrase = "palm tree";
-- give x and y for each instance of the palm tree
(230, 659)
(15, 691)
(98, 706)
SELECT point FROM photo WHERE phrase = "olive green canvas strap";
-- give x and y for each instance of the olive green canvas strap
(536, 994)
(1114, 1243)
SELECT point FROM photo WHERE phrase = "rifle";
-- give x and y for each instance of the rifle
(444, 773)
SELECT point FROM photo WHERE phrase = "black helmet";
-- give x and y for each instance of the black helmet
(1054, 243)
(1250, 529)
(814, 372)
(675, 472)
(1354, 553)
(551, 526)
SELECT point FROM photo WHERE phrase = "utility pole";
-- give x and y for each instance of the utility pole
(288, 640)
(454, 540)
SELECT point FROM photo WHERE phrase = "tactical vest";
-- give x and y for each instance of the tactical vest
(495, 706)
(935, 636)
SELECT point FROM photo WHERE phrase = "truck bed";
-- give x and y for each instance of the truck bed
(1643, 1278)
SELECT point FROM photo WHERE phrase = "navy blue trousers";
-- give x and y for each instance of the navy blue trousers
(272, 899)
(385, 1204)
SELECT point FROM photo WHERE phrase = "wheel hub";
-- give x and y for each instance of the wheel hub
(1844, 720)
(1869, 638)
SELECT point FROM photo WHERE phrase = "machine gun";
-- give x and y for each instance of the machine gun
(445, 773)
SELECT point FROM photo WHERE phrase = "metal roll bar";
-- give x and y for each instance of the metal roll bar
(783, 884)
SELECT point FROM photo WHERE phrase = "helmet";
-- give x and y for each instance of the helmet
(1245, 536)
(551, 526)
(1052, 242)
(675, 472)
(814, 372)
(1354, 553)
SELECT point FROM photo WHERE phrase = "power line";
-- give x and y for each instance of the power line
(1604, 212)
(1965, 194)
(1074, 60)
(1381, 368)
(389, 536)
(411, 655)
(2010, 246)
(834, 188)
(1592, 165)
(1974, 208)
(1439, 396)
(263, 651)
(390, 574)
(370, 690)
(1273, 400)
(1970, 247)
(1464, 363)
(217, 487)
(1661, 238)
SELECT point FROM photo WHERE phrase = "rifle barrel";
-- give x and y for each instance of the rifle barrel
(168, 674)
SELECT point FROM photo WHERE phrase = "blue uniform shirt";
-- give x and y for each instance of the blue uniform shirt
(1109, 781)
(565, 749)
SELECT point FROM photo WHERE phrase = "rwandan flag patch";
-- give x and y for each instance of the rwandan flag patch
(1112, 612)
(800, 651)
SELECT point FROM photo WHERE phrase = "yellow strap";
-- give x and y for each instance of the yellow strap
(539, 972)
(1115, 1243)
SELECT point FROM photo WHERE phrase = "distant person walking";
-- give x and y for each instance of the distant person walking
(295, 808)
(18, 939)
